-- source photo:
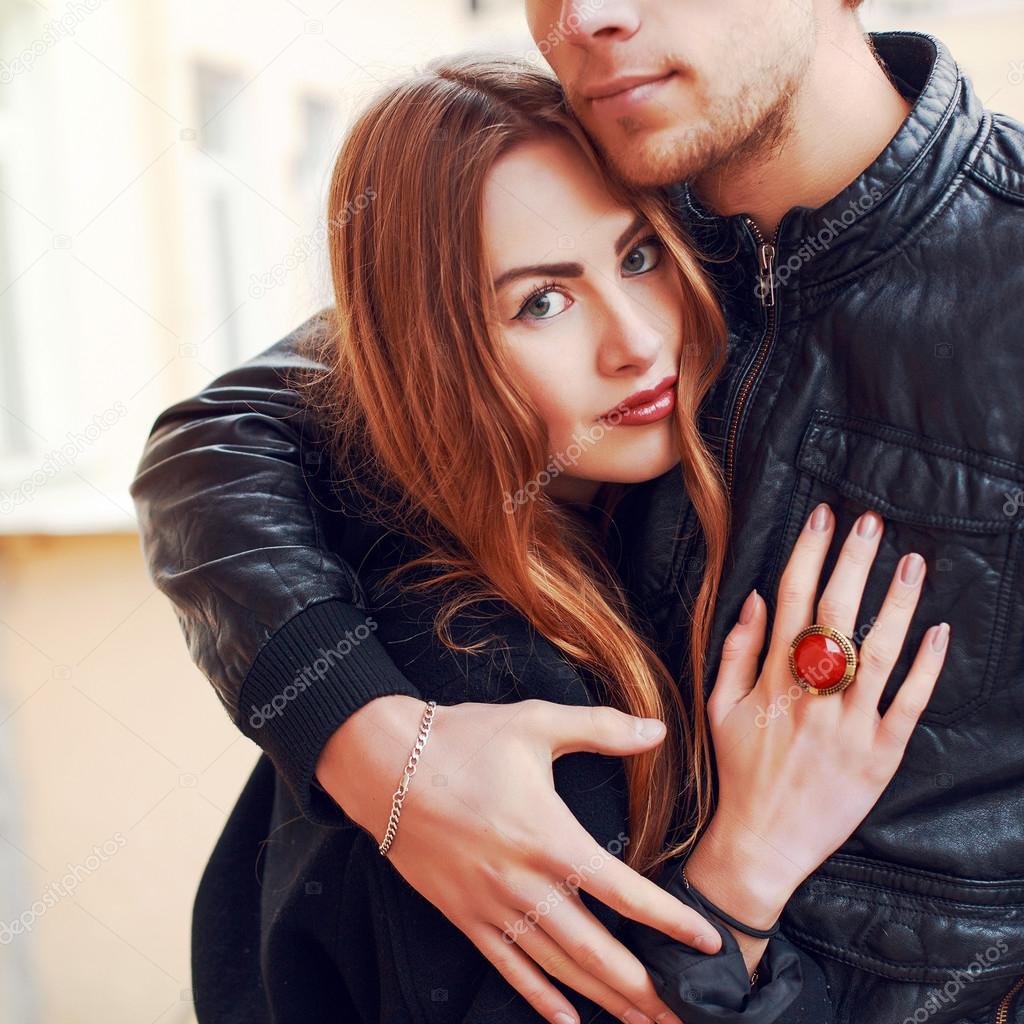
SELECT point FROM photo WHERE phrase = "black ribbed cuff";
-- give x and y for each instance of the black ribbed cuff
(321, 666)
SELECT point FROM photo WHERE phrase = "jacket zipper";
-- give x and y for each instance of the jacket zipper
(766, 282)
(1003, 1012)
(766, 285)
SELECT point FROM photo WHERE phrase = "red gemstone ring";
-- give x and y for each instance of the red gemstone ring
(822, 660)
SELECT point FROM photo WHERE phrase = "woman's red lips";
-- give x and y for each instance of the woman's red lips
(646, 406)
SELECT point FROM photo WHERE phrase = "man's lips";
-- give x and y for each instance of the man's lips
(626, 91)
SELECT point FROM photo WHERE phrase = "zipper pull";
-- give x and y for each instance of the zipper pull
(767, 273)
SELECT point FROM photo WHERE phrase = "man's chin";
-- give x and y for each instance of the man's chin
(649, 158)
(653, 169)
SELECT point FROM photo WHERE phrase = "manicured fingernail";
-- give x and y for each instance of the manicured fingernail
(820, 519)
(867, 525)
(648, 728)
(747, 611)
(634, 1016)
(565, 1018)
(913, 566)
(940, 637)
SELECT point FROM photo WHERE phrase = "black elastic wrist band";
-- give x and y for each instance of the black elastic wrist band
(757, 933)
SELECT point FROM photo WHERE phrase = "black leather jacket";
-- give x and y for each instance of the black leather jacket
(369, 947)
(876, 362)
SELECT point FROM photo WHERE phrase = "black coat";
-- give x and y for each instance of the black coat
(887, 375)
(303, 922)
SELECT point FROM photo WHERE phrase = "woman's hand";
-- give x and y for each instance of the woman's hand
(484, 836)
(799, 771)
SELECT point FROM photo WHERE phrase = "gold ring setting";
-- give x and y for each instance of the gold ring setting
(822, 660)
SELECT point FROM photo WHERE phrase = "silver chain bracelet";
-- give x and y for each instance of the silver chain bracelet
(410, 771)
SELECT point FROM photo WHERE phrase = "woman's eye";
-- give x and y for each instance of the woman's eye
(643, 257)
(543, 305)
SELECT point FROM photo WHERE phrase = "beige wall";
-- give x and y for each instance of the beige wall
(109, 736)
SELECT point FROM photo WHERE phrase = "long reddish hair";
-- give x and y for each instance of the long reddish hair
(421, 397)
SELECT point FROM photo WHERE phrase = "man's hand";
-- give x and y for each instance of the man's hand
(488, 846)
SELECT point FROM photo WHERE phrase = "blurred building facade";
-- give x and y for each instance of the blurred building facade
(163, 169)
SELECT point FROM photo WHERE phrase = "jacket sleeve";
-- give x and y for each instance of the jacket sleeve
(705, 988)
(241, 530)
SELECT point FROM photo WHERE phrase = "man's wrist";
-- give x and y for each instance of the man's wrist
(362, 761)
(742, 874)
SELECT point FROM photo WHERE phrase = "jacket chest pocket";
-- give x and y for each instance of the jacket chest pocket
(961, 510)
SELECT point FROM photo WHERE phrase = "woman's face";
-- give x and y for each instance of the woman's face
(590, 307)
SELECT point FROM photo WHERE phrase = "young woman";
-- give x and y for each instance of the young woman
(516, 339)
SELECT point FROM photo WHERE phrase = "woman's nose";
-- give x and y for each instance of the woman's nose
(630, 341)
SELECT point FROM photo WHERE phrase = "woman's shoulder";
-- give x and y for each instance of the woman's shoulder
(490, 650)
(494, 653)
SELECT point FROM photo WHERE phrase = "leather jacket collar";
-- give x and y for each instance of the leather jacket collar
(901, 187)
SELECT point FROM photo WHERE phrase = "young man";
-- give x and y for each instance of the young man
(863, 216)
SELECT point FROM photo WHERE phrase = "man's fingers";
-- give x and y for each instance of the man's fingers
(523, 975)
(600, 729)
(618, 886)
(596, 952)
(737, 671)
(560, 964)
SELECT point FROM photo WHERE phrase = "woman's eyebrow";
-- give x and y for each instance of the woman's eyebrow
(566, 269)
(539, 270)
(623, 240)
